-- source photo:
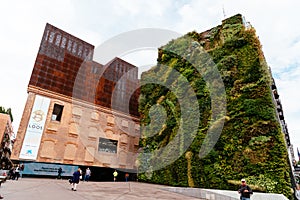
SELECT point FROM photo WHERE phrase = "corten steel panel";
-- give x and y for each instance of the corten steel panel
(64, 65)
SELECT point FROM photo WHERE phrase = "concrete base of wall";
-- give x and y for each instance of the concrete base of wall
(211, 194)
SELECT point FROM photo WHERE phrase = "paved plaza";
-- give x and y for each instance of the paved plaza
(53, 189)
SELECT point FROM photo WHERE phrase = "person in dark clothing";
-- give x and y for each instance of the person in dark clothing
(75, 179)
(126, 177)
(12, 174)
(245, 190)
(59, 173)
(22, 167)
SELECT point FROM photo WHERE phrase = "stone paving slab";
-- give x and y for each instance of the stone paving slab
(53, 189)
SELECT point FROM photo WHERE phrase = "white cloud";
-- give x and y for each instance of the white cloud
(199, 15)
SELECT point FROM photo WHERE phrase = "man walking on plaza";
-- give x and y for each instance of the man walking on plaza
(126, 177)
(59, 172)
(75, 179)
(87, 174)
(245, 190)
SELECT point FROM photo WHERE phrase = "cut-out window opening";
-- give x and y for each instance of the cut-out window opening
(69, 47)
(107, 145)
(57, 41)
(63, 42)
(51, 37)
(80, 50)
(94, 69)
(74, 49)
(47, 34)
(57, 112)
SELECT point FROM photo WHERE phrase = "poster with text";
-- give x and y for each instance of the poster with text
(35, 128)
(48, 169)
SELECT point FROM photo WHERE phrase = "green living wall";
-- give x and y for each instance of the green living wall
(251, 144)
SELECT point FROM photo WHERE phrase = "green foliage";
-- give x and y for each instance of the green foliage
(236, 19)
(251, 144)
(263, 182)
(260, 140)
(254, 188)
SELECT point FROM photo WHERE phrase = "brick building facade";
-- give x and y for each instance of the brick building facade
(6, 136)
(78, 111)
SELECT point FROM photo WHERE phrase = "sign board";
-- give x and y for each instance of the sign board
(107, 145)
(48, 169)
(297, 168)
(35, 128)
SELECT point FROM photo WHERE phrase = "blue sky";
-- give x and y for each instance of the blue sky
(23, 22)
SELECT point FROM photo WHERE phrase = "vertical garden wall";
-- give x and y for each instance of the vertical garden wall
(250, 145)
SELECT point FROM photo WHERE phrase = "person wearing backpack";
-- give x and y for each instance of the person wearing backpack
(75, 179)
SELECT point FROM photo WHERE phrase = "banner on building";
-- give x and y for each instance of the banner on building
(35, 128)
(48, 169)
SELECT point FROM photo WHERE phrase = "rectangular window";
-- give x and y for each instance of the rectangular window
(107, 145)
(86, 53)
(47, 34)
(57, 112)
(63, 42)
(57, 41)
(69, 47)
(94, 69)
(51, 37)
(74, 48)
(80, 50)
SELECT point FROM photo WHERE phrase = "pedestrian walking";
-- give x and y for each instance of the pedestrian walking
(17, 172)
(245, 190)
(59, 172)
(80, 177)
(12, 173)
(75, 179)
(22, 167)
(115, 174)
(126, 177)
(87, 174)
